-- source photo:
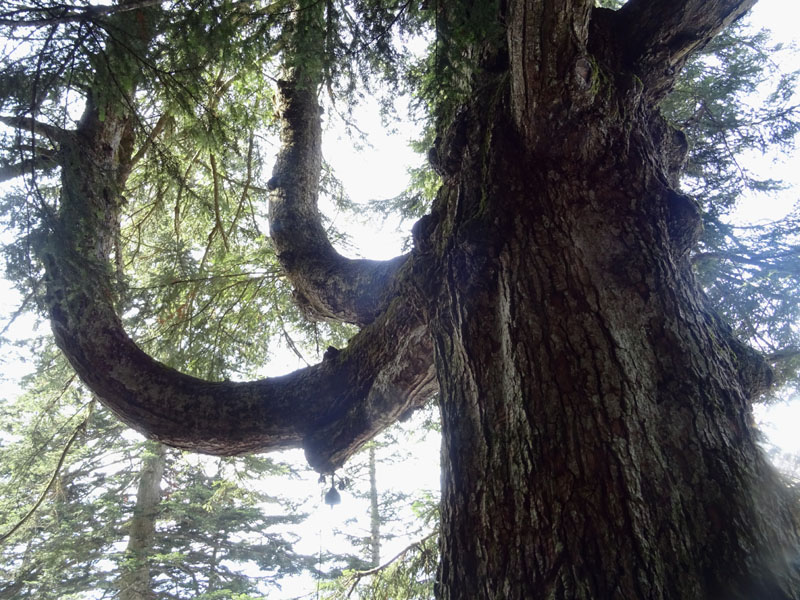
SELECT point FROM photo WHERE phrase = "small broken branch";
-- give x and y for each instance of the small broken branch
(359, 575)
(80, 428)
(154, 133)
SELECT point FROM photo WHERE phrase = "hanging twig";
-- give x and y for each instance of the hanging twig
(81, 427)
(359, 575)
(217, 212)
(23, 307)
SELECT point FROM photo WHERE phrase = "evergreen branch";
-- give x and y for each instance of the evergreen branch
(249, 185)
(755, 260)
(359, 575)
(80, 428)
(217, 213)
(271, 10)
(388, 28)
(250, 275)
(36, 451)
(723, 132)
(63, 14)
(41, 162)
(245, 185)
(221, 331)
(31, 124)
(182, 185)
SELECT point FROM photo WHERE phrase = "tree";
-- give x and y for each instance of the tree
(129, 519)
(391, 513)
(409, 573)
(595, 409)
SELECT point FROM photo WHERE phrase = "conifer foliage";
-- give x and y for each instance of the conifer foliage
(124, 518)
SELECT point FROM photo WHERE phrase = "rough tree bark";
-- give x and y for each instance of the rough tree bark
(595, 413)
(597, 441)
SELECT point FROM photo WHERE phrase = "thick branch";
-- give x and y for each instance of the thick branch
(41, 162)
(783, 356)
(30, 124)
(660, 35)
(330, 409)
(327, 285)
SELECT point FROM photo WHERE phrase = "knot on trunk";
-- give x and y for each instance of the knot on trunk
(448, 149)
(684, 222)
(755, 374)
(671, 147)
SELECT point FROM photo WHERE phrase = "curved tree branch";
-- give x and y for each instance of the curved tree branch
(327, 285)
(660, 35)
(329, 409)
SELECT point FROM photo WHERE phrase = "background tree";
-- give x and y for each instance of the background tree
(404, 575)
(126, 518)
(595, 409)
(389, 505)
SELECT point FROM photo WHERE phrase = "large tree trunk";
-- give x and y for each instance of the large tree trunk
(597, 440)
